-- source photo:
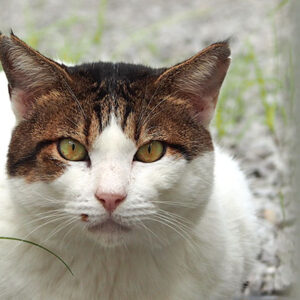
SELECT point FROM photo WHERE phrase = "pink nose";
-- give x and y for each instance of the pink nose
(110, 201)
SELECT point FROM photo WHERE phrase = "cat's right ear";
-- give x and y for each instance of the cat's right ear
(29, 74)
(197, 81)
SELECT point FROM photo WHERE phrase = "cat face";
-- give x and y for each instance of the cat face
(117, 153)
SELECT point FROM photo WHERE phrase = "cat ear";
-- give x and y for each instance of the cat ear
(198, 80)
(29, 74)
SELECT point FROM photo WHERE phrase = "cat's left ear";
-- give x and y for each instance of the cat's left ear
(197, 81)
(29, 74)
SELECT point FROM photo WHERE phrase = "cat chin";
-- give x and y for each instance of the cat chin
(112, 239)
(119, 240)
(111, 236)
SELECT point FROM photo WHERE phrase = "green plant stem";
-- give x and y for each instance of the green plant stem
(37, 245)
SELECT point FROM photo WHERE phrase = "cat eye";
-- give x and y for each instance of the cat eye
(72, 150)
(150, 152)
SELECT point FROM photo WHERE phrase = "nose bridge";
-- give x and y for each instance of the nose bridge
(113, 177)
(111, 159)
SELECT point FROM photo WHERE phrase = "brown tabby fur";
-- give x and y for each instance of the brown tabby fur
(77, 102)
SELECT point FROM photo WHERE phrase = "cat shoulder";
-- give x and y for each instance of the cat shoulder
(232, 193)
(235, 201)
(229, 177)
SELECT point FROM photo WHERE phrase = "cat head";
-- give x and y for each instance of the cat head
(117, 153)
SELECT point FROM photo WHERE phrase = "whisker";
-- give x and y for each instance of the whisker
(17, 245)
(149, 231)
(60, 227)
(68, 231)
(185, 221)
(151, 114)
(43, 217)
(176, 203)
(182, 232)
(68, 88)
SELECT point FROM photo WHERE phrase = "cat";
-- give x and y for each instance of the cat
(112, 167)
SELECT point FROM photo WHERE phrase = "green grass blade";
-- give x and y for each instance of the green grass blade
(282, 204)
(97, 38)
(279, 6)
(37, 245)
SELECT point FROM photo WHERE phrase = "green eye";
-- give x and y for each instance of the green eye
(72, 150)
(150, 152)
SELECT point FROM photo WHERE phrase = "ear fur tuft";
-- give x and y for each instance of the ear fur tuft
(198, 80)
(29, 73)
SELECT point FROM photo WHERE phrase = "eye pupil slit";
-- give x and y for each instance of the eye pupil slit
(72, 150)
(150, 152)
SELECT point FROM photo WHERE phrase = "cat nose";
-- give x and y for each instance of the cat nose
(110, 201)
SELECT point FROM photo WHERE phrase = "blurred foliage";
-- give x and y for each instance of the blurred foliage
(142, 35)
(97, 38)
(279, 6)
(246, 75)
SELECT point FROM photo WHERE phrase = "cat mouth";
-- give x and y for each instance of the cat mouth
(108, 226)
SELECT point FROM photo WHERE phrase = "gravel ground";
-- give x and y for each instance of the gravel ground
(164, 32)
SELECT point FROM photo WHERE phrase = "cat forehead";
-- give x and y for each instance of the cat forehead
(100, 71)
(112, 141)
(103, 89)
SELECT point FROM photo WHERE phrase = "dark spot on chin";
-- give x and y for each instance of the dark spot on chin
(84, 217)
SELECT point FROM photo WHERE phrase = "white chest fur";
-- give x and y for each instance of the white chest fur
(212, 266)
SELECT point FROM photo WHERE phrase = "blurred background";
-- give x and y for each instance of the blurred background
(255, 110)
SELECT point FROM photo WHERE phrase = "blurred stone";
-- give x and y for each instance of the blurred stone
(270, 215)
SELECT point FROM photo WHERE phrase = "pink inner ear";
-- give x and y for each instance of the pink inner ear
(204, 108)
(202, 98)
(21, 103)
(202, 90)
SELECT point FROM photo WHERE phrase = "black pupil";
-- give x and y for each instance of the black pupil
(149, 149)
(73, 146)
